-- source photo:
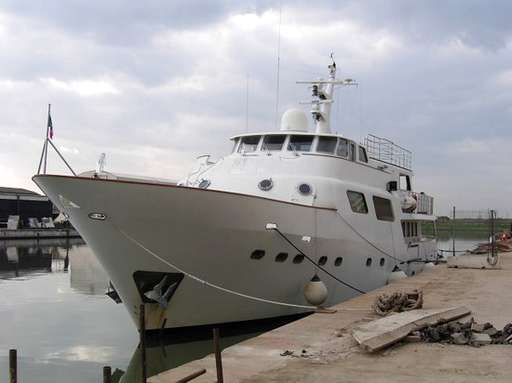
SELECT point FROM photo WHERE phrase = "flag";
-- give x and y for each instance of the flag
(50, 126)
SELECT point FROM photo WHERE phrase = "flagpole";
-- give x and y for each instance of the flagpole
(46, 139)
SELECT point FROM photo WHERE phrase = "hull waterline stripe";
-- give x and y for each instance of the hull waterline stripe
(197, 279)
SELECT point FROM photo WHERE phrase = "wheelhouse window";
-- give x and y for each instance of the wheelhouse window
(342, 149)
(362, 154)
(273, 143)
(248, 144)
(300, 143)
(383, 209)
(357, 202)
(352, 151)
(235, 143)
(326, 145)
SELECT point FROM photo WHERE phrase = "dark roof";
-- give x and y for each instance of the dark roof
(17, 191)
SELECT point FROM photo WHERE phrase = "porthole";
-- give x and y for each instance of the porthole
(266, 184)
(204, 184)
(382, 261)
(298, 258)
(305, 189)
(323, 260)
(281, 257)
(338, 261)
(368, 262)
(258, 254)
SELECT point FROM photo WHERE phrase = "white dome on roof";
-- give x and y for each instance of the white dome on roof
(294, 120)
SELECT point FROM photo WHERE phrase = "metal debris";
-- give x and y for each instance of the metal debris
(397, 302)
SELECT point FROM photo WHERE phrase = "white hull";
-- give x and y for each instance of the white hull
(211, 235)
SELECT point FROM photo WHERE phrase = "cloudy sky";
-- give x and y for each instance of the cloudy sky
(153, 84)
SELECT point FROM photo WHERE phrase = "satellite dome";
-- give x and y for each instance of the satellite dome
(294, 120)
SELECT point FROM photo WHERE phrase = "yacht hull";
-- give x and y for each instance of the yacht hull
(208, 237)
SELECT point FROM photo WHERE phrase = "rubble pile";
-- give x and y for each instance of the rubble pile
(398, 301)
(466, 333)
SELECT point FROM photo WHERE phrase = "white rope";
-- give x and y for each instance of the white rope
(197, 279)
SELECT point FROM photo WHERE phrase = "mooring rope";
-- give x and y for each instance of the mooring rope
(316, 264)
(400, 261)
(197, 279)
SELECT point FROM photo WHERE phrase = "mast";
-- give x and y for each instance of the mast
(322, 98)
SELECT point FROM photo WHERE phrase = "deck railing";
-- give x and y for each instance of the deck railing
(387, 151)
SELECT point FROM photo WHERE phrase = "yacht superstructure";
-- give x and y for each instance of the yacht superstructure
(240, 238)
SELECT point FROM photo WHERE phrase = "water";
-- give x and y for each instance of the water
(55, 312)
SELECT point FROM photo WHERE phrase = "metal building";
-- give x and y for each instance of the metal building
(24, 203)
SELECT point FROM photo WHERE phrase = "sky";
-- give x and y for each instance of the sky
(155, 84)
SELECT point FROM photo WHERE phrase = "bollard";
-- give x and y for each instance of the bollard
(107, 374)
(13, 366)
(218, 357)
(142, 343)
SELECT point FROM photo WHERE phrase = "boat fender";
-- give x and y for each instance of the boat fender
(429, 266)
(315, 291)
(396, 276)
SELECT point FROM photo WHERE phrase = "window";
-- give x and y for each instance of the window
(338, 261)
(368, 262)
(382, 262)
(342, 149)
(281, 257)
(248, 144)
(258, 254)
(357, 202)
(383, 209)
(298, 258)
(352, 151)
(323, 260)
(326, 145)
(300, 143)
(362, 154)
(235, 143)
(405, 182)
(273, 142)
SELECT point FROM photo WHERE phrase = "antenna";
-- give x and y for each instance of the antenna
(278, 63)
(247, 104)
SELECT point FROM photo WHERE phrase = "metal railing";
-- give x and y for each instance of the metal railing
(387, 151)
(424, 204)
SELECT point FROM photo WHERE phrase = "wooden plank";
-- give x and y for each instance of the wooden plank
(383, 332)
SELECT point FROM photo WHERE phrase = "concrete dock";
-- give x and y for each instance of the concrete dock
(320, 347)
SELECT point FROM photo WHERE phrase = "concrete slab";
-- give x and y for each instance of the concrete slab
(332, 355)
(472, 262)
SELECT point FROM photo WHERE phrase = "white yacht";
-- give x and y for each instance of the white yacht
(239, 239)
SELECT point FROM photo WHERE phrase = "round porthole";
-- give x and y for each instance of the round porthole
(305, 189)
(323, 260)
(266, 184)
(204, 184)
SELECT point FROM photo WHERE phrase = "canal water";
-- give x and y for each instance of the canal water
(54, 311)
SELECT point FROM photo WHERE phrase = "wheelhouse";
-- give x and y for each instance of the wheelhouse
(300, 143)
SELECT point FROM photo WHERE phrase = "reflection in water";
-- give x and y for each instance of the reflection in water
(87, 275)
(23, 257)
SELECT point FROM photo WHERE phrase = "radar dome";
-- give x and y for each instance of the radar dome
(294, 120)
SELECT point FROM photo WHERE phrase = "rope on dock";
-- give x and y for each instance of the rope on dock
(197, 279)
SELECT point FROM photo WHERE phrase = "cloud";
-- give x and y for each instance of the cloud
(157, 84)
(81, 87)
